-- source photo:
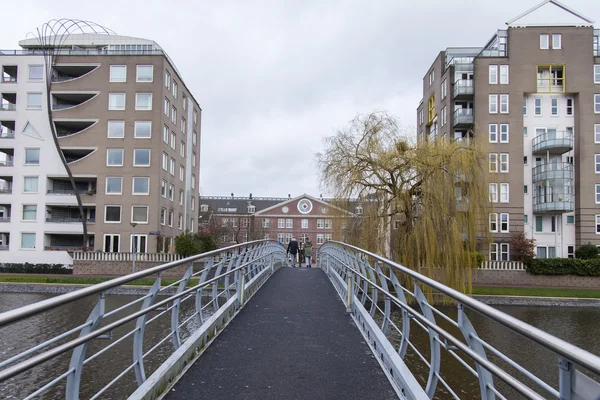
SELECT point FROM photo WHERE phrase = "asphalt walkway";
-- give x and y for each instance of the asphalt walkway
(293, 340)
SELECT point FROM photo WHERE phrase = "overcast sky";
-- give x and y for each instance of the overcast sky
(275, 77)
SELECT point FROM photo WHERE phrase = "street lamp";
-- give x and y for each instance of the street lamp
(133, 245)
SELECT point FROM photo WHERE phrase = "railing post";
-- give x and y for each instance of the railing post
(272, 264)
(565, 379)
(327, 264)
(138, 336)
(349, 291)
(241, 283)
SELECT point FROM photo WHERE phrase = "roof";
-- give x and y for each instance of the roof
(580, 19)
(87, 40)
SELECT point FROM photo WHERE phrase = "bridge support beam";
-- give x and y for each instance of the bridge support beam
(138, 336)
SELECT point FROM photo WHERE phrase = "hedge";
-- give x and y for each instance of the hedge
(28, 268)
(564, 266)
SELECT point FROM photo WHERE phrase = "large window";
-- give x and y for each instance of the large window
(111, 243)
(493, 74)
(114, 157)
(34, 101)
(504, 74)
(118, 73)
(544, 41)
(141, 157)
(320, 238)
(597, 103)
(493, 161)
(493, 222)
(116, 129)
(554, 106)
(36, 72)
(431, 108)
(556, 41)
(114, 185)
(139, 214)
(112, 214)
(289, 223)
(493, 133)
(504, 252)
(504, 162)
(504, 195)
(503, 104)
(504, 222)
(30, 184)
(27, 240)
(493, 192)
(493, 103)
(141, 185)
(504, 133)
(29, 212)
(142, 129)
(539, 223)
(145, 73)
(143, 101)
(597, 73)
(116, 101)
(538, 105)
(265, 222)
(32, 156)
(551, 78)
(281, 223)
(304, 223)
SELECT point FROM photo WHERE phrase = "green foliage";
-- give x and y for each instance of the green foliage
(564, 266)
(587, 251)
(537, 292)
(189, 244)
(207, 242)
(475, 259)
(27, 268)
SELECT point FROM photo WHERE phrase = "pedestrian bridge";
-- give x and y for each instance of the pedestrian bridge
(245, 326)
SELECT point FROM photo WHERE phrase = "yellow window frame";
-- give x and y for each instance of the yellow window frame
(431, 108)
(550, 81)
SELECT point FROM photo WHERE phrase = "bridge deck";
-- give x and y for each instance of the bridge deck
(293, 340)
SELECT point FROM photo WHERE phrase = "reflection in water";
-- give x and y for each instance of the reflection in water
(576, 325)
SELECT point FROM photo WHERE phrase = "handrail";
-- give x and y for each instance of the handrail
(583, 358)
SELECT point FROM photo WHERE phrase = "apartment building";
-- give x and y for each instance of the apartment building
(532, 93)
(99, 134)
(242, 219)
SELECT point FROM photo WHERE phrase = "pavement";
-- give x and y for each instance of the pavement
(292, 340)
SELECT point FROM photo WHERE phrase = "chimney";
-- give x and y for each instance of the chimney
(289, 196)
(232, 195)
(250, 196)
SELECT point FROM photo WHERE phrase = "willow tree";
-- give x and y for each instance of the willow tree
(430, 198)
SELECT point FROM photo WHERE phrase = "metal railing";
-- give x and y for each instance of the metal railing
(8, 134)
(553, 141)
(8, 106)
(388, 302)
(463, 116)
(3, 247)
(7, 163)
(4, 219)
(233, 280)
(464, 87)
(68, 220)
(122, 256)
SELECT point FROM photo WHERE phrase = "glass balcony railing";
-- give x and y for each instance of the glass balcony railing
(463, 87)
(463, 116)
(7, 134)
(555, 142)
(554, 202)
(559, 171)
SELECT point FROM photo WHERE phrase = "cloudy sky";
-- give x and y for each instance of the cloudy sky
(275, 77)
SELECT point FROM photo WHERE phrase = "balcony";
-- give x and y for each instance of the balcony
(553, 202)
(9, 74)
(62, 186)
(553, 142)
(63, 101)
(73, 155)
(5, 185)
(67, 242)
(8, 102)
(4, 240)
(5, 210)
(463, 89)
(65, 73)
(7, 129)
(71, 127)
(558, 171)
(7, 157)
(463, 117)
(69, 215)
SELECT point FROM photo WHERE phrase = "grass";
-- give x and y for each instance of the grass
(68, 279)
(537, 292)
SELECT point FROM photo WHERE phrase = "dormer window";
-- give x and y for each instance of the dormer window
(251, 209)
(359, 209)
(203, 207)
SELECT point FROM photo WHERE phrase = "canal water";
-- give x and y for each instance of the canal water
(578, 325)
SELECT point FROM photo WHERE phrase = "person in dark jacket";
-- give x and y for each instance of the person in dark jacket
(308, 250)
(293, 250)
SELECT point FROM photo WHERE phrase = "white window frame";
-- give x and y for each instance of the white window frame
(328, 223)
(504, 133)
(493, 163)
(34, 240)
(493, 222)
(117, 108)
(320, 238)
(137, 73)
(174, 88)
(149, 158)
(135, 129)
(163, 216)
(133, 192)
(493, 103)
(493, 74)
(554, 107)
(280, 223)
(597, 224)
(171, 191)
(266, 222)
(251, 209)
(504, 162)
(504, 103)
(596, 74)
(115, 123)
(493, 133)
(431, 77)
(36, 106)
(120, 214)
(172, 166)
(556, 41)
(167, 80)
(174, 114)
(39, 155)
(570, 106)
(163, 188)
(304, 222)
(166, 107)
(140, 108)
(132, 214)
(108, 151)
(444, 88)
(537, 108)
(502, 222)
(493, 252)
(165, 161)
(504, 192)
(181, 173)
(182, 149)
(320, 224)
(289, 223)
(41, 69)
(597, 163)
(37, 184)
(524, 106)
(597, 187)
(114, 79)
(34, 212)
(112, 240)
(504, 75)
(596, 103)
(504, 249)
(120, 192)
(166, 134)
(173, 140)
(544, 41)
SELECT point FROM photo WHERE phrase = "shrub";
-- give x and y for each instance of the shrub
(522, 248)
(586, 252)
(187, 245)
(27, 268)
(475, 259)
(564, 266)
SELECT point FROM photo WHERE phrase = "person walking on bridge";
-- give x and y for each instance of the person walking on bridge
(293, 250)
(308, 250)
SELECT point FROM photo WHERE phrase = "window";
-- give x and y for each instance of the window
(493, 251)
(553, 224)
(111, 243)
(171, 191)
(28, 240)
(173, 114)
(597, 160)
(224, 222)
(597, 103)
(141, 185)
(281, 237)
(193, 181)
(29, 212)
(493, 129)
(183, 125)
(166, 134)
(503, 104)
(525, 160)
(114, 185)
(431, 108)
(142, 129)
(112, 214)
(167, 107)
(320, 224)
(597, 194)
(544, 42)
(504, 222)
(328, 236)
(525, 131)
(431, 77)
(139, 214)
(194, 138)
(504, 195)
(145, 73)
(525, 219)
(551, 78)
(118, 73)
(114, 157)
(570, 251)
(173, 139)
(265, 222)
(281, 223)
(141, 157)
(504, 162)
(570, 106)
(30, 184)
(165, 161)
(538, 105)
(597, 224)
(504, 256)
(524, 105)
(504, 74)
(570, 219)
(180, 222)
(182, 149)
(320, 238)
(541, 252)
(493, 74)
(539, 223)
(163, 216)
(116, 101)
(170, 218)
(32, 156)
(184, 101)
(597, 73)
(444, 88)
(493, 162)
(167, 79)
(289, 223)
(195, 116)
(503, 133)
(443, 116)
(34, 101)
(181, 173)
(304, 224)
(181, 199)
(554, 106)
(143, 101)
(493, 103)
(251, 209)
(36, 72)
(175, 87)
(556, 41)
(493, 222)
(288, 237)
(116, 129)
